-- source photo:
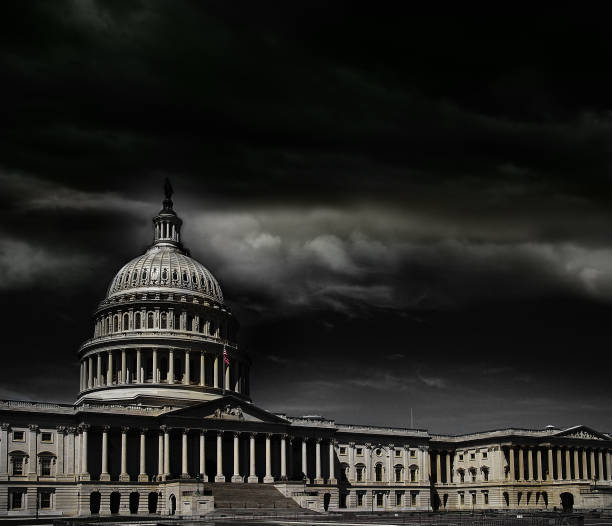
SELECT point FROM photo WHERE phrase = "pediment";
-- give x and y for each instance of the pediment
(228, 409)
(582, 432)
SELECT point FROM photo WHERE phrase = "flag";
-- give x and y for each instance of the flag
(225, 358)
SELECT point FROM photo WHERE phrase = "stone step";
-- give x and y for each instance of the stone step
(245, 496)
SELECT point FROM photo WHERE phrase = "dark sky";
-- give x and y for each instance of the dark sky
(405, 209)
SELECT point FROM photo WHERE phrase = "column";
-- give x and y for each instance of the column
(170, 378)
(187, 379)
(202, 368)
(89, 372)
(609, 464)
(283, 457)
(539, 464)
(160, 456)
(124, 476)
(142, 476)
(166, 452)
(601, 465)
(332, 461)
(252, 476)
(104, 475)
(438, 468)
(511, 462)
(84, 452)
(203, 456)
(216, 372)
(559, 465)
(236, 475)
(32, 451)
(550, 464)
(521, 453)
(226, 383)
(99, 369)
(585, 469)
(70, 450)
(530, 464)
(592, 463)
(237, 375)
(268, 478)
(184, 462)
(425, 469)
(155, 371)
(60, 467)
(109, 369)
(139, 372)
(220, 477)
(4, 433)
(448, 468)
(305, 458)
(123, 367)
(318, 478)
(576, 465)
(568, 465)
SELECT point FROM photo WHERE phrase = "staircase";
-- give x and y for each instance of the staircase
(249, 496)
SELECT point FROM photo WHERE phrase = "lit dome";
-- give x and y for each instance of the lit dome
(168, 269)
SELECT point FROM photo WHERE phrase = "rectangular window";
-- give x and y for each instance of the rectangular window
(461, 498)
(484, 454)
(45, 500)
(474, 498)
(398, 452)
(17, 465)
(460, 456)
(413, 498)
(359, 451)
(413, 453)
(413, 473)
(46, 437)
(45, 466)
(359, 474)
(16, 500)
(342, 450)
(18, 436)
(359, 498)
(485, 496)
(398, 498)
(379, 500)
(472, 456)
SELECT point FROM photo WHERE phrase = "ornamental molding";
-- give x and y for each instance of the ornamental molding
(229, 413)
(583, 434)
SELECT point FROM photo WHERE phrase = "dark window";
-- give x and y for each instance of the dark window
(45, 500)
(18, 435)
(163, 321)
(137, 320)
(150, 320)
(45, 466)
(17, 500)
(46, 437)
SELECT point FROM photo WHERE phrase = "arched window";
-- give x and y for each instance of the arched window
(189, 322)
(150, 320)
(45, 463)
(360, 471)
(194, 279)
(174, 276)
(164, 275)
(461, 474)
(126, 322)
(115, 323)
(378, 471)
(398, 473)
(485, 473)
(137, 322)
(17, 460)
(414, 470)
(177, 321)
(144, 275)
(163, 322)
(107, 328)
(185, 276)
(473, 474)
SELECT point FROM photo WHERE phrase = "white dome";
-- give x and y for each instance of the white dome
(166, 268)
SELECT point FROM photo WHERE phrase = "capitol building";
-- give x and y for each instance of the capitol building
(164, 423)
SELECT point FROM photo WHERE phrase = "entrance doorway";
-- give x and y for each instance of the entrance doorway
(115, 502)
(567, 502)
(94, 502)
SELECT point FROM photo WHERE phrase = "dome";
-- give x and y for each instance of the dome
(168, 269)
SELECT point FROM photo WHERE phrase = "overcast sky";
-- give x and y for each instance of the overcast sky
(404, 209)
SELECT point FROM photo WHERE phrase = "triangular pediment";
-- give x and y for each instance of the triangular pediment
(227, 409)
(584, 432)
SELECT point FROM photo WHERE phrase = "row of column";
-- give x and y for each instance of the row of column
(163, 468)
(571, 463)
(94, 374)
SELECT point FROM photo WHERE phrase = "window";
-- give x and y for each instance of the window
(46, 437)
(472, 456)
(177, 321)
(342, 450)
(379, 500)
(16, 499)
(485, 474)
(359, 451)
(461, 498)
(413, 498)
(462, 475)
(18, 465)
(378, 452)
(378, 470)
(189, 322)
(359, 498)
(360, 473)
(460, 456)
(473, 474)
(150, 320)
(45, 466)
(45, 500)
(484, 454)
(413, 474)
(115, 323)
(413, 453)
(137, 320)
(398, 498)
(474, 497)
(485, 497)
(398, 453)
(18, 436)
(163, 323)
(398, 473)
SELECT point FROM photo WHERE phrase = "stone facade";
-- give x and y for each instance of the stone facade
(164, 412)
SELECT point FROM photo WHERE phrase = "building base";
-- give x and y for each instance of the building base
(268, 480)
(319, 481)
(124, 477)
(219, 478)
(143, 477)
(105, 477)
(237, 478)
(253, 480)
